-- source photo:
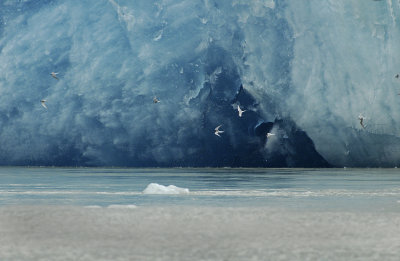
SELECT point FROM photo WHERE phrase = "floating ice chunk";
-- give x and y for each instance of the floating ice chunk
(122, 206)
(92, 206)
(154, 188)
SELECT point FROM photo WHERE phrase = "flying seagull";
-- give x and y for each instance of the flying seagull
(240, 111)
(155, 100)
(54, 75)
(270, 134)
(217, 131)
(361, 118)
(43, 102)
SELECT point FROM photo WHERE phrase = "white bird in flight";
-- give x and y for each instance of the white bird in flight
(217, 131)
(240, 111)
(43, 102)
(155, 100)
(270, 134)
(54, 75)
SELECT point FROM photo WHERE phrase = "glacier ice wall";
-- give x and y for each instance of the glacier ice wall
(304, 70)
(344, 63)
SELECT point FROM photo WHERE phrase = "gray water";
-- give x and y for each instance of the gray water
(325, 189)
(228, 214)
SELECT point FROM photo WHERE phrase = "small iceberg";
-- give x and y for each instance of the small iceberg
(122, 206)
(154, 188)
(92, 206)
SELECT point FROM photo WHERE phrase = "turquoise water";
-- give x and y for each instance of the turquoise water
(330, 189)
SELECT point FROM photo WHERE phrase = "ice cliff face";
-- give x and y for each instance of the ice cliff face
(304, 70)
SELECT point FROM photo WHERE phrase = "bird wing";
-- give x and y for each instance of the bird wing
(217, 128)
(362, 122)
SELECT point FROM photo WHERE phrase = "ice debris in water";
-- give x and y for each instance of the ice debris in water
(154, 188)
(92, 206)
(130, 206)
(122, 206)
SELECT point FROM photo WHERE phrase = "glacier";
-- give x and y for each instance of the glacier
(304, 70)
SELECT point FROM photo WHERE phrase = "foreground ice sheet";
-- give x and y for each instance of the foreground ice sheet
(196, 233)
(154, 188)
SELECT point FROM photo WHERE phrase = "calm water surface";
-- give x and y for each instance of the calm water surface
(325, 189)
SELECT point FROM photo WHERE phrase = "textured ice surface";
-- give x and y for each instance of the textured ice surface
(196, 233)
(154, 188)
(318, 63)
(229, 214)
